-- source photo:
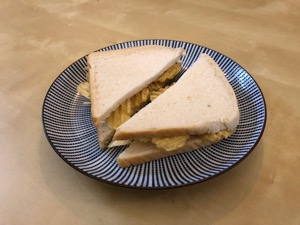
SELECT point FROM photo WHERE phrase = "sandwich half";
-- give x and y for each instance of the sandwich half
(122, 81)
(199, 109)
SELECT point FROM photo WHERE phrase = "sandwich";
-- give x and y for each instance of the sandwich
(198, 110)
(121, 82)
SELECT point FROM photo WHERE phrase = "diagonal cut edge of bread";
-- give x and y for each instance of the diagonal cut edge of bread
(117, 75)
(201, 101)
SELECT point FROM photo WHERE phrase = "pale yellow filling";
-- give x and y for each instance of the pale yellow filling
(84, 89)
(172, 143)
(136, 102)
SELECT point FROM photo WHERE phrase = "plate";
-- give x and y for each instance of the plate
(68, 127)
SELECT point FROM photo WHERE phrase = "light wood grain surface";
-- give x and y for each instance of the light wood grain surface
(39, 39)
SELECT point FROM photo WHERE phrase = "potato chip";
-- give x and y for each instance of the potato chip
(130, 106)
(170, 143)
(84, 89)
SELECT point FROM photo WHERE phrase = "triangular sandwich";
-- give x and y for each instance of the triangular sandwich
(122, 81)
(199, 109)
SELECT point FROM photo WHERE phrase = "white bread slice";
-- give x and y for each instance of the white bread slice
(201, 101)
(117, 75)
(140, 152)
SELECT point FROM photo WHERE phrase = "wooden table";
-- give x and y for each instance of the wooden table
(39, 39)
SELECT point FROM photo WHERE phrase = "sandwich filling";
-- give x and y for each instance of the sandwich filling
(172, 143)
(84, 89)
(136, 102)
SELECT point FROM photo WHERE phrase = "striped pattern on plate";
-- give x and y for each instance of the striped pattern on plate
(68, 126)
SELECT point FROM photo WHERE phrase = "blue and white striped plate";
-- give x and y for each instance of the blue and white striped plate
(68, 126)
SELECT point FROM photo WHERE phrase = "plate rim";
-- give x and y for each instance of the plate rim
(158, 187)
